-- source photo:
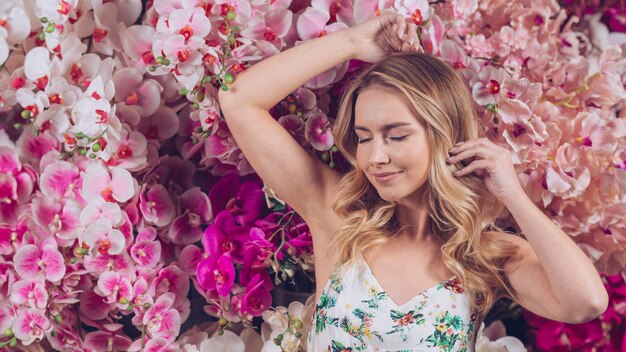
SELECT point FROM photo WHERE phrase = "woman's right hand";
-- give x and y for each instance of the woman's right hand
(380, 36)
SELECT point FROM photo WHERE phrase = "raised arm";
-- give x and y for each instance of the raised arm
(296, 176)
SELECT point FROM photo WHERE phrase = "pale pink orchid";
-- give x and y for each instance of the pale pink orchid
(272, 27)
(37, 67)
(487, 86)
(129, 151)
(318, 131)
(117, 186)
(110, 338)
(156, 205)
(101, 238)
(105, 35)
(161, 320)
(133, 90)
(34, 103)
(45, 262)
(432, 34)
(137, 44)
(30, 325)
(339, 10)
(222, 154)
(115, 288)
(32, 294)
(416, 11)
(157, 344)
(161, 125)
(216, 273)
(98, 209)
(195, 211)
(242, 9)
(15, 21)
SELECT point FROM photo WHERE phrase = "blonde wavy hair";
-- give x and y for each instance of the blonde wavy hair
(460, 209)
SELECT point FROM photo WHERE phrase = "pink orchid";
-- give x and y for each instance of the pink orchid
(432, 34)
(171, 279)
(195, 211)
(189, 258)
(161, 125)
(256, 299)
(146, 254)
(224, 236)
(98, 209)
(61, 179)
(318, 131)
(32, 148)
(37, 66)
(121, 263)
(161, 320)
(417, 11)
(60, 218)
(109, 339)
(92, 111)
(118, 186)
(30, 325)
(115, 288)
(486, 87)
(190, 22)
(29, 293)
(45, 262)
(94, 306)
(258, 250)
(221, 153)
(272, 27)
(216, 273)
(339, 10)
(137, 44)
(11, 237)
(243, 200)
(101, 238)
(129, 152)
(133, 90)
(156, 205)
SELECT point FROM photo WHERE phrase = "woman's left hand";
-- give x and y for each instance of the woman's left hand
(490, 162)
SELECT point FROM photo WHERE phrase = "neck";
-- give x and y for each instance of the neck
(412, 212)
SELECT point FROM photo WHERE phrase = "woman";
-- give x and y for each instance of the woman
(407, 256)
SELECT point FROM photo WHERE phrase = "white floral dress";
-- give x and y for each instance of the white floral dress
(355, 314)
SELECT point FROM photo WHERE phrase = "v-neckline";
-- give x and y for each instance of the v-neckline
(380, 287)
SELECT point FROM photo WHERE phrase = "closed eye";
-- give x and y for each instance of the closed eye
(396, 139)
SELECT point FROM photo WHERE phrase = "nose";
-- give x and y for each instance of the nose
(378, 153)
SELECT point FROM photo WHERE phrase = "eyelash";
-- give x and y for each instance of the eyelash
(396, 139)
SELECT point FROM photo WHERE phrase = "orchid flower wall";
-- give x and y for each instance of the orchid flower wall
(123, 193)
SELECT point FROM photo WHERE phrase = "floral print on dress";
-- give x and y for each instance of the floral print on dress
(355, 314)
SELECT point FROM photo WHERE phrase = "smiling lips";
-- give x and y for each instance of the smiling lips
(385, 177)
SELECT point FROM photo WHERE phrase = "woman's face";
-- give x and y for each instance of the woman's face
(391, 142)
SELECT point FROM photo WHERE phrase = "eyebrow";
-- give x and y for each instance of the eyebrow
(385, 127)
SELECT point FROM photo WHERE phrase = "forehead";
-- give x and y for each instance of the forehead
(376, 107)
